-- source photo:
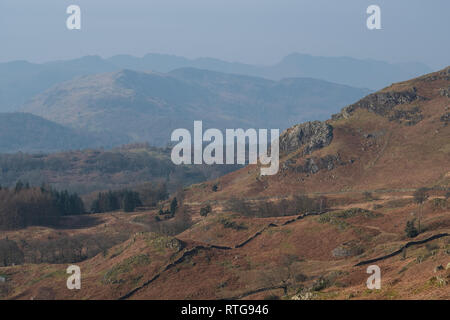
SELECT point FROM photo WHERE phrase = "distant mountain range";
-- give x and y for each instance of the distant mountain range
(148, 106)
(29, 133)
(21, 80)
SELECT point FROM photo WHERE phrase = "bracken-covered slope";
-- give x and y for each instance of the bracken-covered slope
(367, 161)
(396, 138)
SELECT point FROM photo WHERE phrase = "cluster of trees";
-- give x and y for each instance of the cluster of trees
(67, 204)
(171, 227)
(23, 205)
(170, 213)
(420, 196)
(286, 207)
(71, 249)
(64, 248)
(174, 219)
(152, 193)
(10, 253)
(125, 200)
(92, 170)
(171, 223)
(411, 230)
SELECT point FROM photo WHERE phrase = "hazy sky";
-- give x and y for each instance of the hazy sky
(252, 31)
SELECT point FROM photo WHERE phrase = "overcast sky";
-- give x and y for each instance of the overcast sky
(251, 31)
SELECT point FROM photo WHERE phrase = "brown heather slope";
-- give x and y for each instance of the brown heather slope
(390, 143)
(397, 138)
(297, 259)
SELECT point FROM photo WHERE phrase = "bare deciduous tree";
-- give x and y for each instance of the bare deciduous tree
(420, 196)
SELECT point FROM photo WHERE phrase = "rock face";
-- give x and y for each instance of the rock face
(446, 118)
(445, 92)
(441, 75)
(314, 164)
(312, 135)
(381, 103)
(409, 117)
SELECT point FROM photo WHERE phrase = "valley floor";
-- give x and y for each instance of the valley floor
(228, 256)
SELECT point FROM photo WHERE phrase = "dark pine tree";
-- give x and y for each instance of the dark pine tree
(173, 205)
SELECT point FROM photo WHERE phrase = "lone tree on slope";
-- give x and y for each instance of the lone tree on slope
(420, 196)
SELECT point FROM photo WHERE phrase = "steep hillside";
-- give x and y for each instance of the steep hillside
(149, 106)
(397, 138)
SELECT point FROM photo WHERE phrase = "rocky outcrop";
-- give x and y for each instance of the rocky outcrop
(314, 164)
(408, 117)
(445, 92)
(381, 103)
(441, 75)
(348, 249)
(310, 135)
(446, 118)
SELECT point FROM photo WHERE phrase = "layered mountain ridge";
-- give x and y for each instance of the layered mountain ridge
(149, 106)
(22, 80)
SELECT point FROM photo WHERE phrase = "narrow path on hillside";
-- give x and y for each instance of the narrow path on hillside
(131, 221)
